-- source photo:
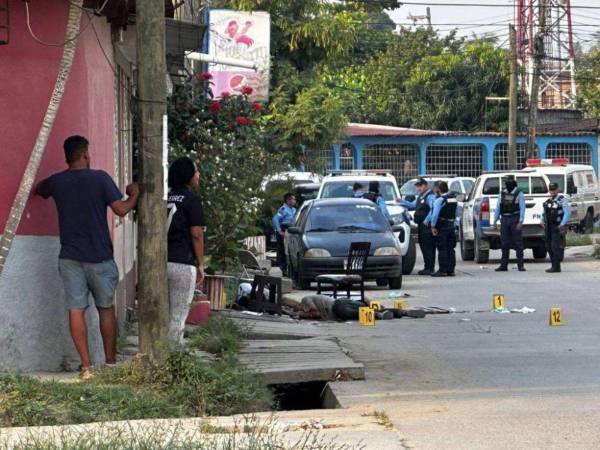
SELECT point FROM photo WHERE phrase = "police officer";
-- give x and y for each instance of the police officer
(281, 220)
(377, 198)
(443, 218)
(423, 206)
(358, 190)
(511, 209)
(557, 212)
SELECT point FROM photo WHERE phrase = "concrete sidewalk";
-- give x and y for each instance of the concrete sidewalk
(355, 428)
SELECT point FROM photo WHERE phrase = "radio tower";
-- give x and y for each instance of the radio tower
(549, 20)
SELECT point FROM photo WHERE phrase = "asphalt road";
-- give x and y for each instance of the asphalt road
(483, 380)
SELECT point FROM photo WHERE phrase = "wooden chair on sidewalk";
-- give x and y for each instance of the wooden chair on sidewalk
(353, 272)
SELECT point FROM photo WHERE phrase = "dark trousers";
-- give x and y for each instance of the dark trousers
(555, 244)
(510, 237)
(427, 244)
(446, 242)
(281, 259)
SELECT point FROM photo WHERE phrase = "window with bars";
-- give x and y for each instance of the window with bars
(458, 159)
(501, 156)
(576, 152)
(347, 157)
(320, 161)
(402, 160)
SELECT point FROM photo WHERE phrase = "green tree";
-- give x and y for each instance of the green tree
(226, 137)
(588, 82)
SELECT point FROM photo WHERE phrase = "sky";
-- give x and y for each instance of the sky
(500, 17)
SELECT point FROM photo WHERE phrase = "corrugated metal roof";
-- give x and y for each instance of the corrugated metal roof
(367, 129)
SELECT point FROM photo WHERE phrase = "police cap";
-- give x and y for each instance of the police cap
(553, 187)
(421, 181)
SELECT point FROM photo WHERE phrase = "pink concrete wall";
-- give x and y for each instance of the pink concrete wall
(27, 74)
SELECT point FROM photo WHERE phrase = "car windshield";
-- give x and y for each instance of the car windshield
(527, 185)
(344, 188)
(409, 188)
(351, 218)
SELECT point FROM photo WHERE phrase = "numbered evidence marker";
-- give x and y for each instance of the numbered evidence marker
(374, 304)
(366, 316)
(498, 301)
(399, 304)
(556, 317)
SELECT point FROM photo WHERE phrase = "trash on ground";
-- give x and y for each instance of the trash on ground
(502, 310)
(396, 294)
(465, 319)
(523, 310)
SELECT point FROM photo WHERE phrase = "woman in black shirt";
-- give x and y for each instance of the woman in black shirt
(185, 243)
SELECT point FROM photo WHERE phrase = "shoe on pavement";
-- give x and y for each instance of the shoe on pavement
(501, 269)
(451, 274)
(439, 274)
(86, 374)
(552, 270)
(424, 272)
(522, 269)
(384, 315)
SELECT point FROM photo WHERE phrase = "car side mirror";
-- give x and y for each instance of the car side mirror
(461, 197)
(392, 222)
(294, 230)
(410, 198)
(397, 228)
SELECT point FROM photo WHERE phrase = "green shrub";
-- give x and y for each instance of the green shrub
(219, 336)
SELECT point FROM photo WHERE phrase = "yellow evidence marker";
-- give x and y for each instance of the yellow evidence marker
(556, 317)
(399, 304)
(374, 304)
(498, 301)
(366, 316)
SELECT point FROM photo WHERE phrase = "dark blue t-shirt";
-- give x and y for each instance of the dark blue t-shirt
(81, 197)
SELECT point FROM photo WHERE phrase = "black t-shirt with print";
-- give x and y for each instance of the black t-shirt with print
(184, 209)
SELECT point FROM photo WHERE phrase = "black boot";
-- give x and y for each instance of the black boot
(501, 269)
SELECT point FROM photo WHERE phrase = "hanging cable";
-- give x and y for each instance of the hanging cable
(50, 44)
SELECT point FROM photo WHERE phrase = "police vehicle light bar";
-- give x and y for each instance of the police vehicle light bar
(547, 162)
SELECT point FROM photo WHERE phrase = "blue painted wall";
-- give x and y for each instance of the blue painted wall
(488, 144)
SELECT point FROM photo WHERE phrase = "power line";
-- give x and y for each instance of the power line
(482, 5)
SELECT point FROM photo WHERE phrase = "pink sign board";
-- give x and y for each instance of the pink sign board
(240, 35)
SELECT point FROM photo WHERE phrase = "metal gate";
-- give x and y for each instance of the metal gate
(320, 161)
(501, 156)
(578, 153)
(464, 160)
(402, 160)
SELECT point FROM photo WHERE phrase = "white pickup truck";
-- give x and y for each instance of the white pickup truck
(580, 183)
(477, 232)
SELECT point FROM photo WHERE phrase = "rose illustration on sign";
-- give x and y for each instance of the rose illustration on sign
(239, 37)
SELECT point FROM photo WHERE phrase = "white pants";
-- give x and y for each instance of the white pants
(182, 283)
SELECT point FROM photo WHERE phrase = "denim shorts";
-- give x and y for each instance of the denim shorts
(80, 279)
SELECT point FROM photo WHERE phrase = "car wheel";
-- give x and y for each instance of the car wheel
(381, 282)
(481, 256)
(539, 252)
(409, 261)
(467, 252)
(395, 283)
(588, 223)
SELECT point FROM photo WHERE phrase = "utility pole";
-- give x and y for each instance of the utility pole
(535, 83)
(428, 17)
(512, 111)
(153, 299)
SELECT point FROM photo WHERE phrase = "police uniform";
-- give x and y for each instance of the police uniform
(511, 209)
(423, 206)
(281, 220)
(557, 212)
(443, 219)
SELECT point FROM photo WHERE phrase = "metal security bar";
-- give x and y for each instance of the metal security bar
(578, 153)
(347, 157)
(501, 156)
(402, 160)
(319, 161)
(462, 160)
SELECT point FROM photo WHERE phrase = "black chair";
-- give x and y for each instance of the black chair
(353, 272)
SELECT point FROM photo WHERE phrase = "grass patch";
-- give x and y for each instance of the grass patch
(219, 335)
(578, 240)
(184, 386)
(250, 434)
